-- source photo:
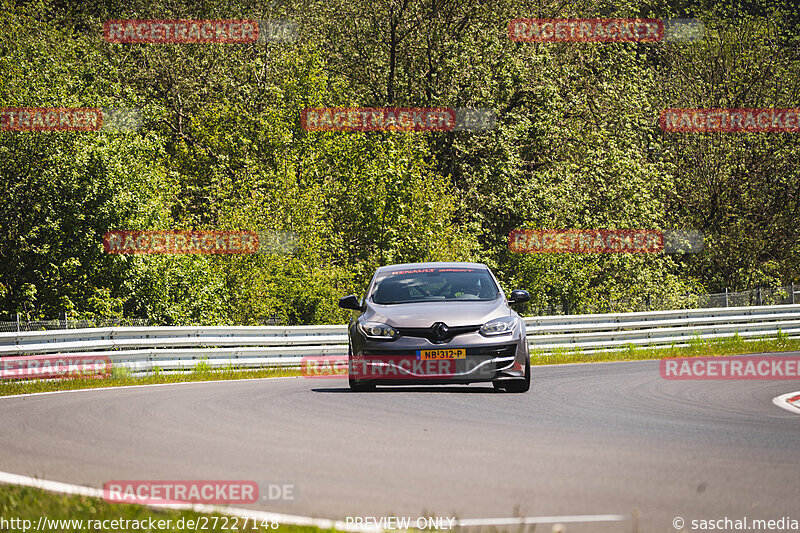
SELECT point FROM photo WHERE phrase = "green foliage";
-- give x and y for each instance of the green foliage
(576, 145)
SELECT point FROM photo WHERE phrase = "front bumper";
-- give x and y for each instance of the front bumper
(397, 362)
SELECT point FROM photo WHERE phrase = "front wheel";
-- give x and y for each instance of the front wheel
(360, 387)
(522, 385)
(354, 385)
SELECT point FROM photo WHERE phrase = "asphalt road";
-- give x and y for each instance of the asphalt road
(587, 439)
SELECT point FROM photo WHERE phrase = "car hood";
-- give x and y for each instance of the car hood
(424, 314)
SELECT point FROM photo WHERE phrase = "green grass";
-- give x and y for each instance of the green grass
(121, 377)
(734, 345)
(26, 503)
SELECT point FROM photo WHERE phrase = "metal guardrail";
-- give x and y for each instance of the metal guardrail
(759, 296)
(183, 347)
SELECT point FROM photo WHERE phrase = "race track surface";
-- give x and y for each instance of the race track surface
(610, 438)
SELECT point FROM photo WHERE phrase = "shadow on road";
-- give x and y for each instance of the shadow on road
(441, 389)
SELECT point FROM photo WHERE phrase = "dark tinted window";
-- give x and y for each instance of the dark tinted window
(434, 284)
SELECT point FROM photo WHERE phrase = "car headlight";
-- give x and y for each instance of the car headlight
(378, 331)
(499, 326)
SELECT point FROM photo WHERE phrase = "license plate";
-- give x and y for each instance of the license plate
(440, 355)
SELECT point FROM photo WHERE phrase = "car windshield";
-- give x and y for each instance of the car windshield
(434, 285)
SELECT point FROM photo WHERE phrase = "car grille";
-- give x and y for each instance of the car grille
(438, 332)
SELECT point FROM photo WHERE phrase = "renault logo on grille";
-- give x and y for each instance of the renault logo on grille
(439, 331)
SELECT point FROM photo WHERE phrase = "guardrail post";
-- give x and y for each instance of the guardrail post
(17, 322)
(726, 296)
(793, 292)
(648, 302)
(758, 296)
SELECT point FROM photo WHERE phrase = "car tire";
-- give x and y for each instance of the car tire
(360, 387)
(522, 385)
(355, 386)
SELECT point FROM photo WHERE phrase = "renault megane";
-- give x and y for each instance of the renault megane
(437, 323)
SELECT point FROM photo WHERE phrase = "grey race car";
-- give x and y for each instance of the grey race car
(437, 323)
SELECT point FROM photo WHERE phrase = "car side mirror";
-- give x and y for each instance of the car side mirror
(350, 302)
(519, 296)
